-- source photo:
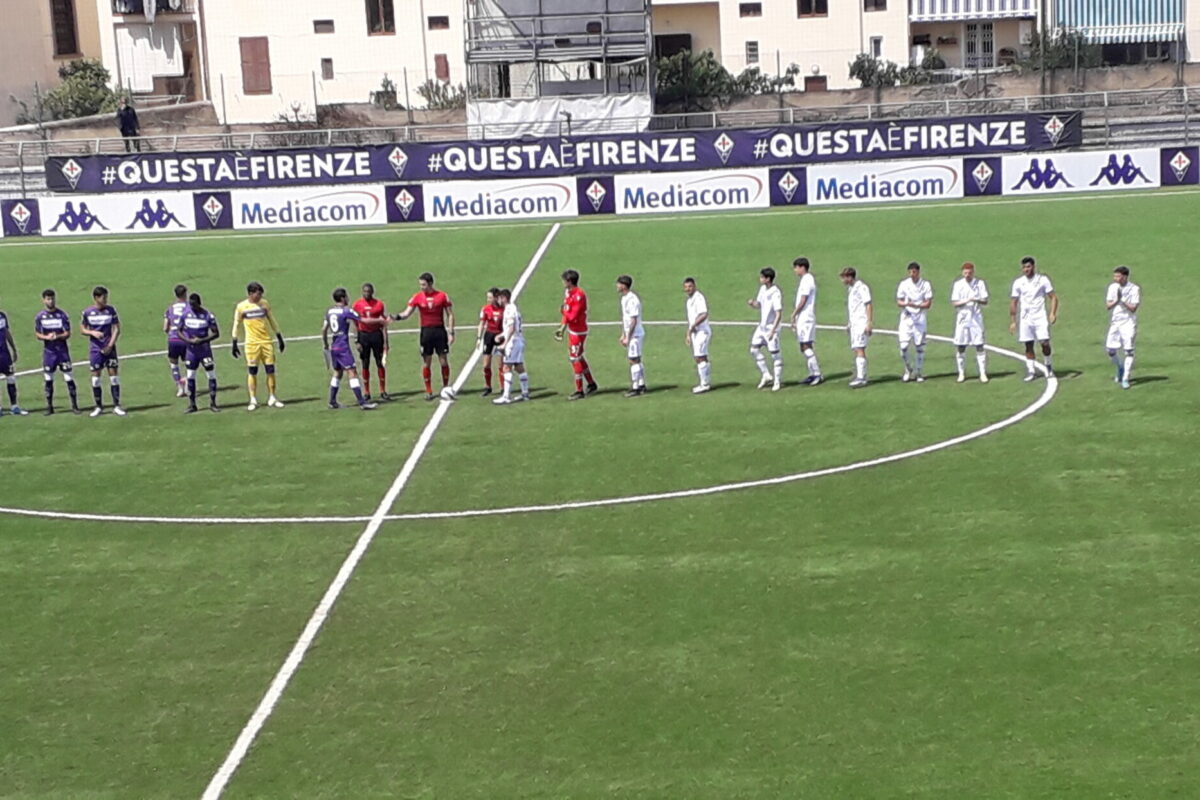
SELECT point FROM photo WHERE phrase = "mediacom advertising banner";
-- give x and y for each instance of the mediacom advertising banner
(313, 207)
(1093, 171)
(91, 215)
(720, 190)
(888, 182)
(462, 201)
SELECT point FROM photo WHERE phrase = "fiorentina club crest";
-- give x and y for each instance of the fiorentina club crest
(1179, 165)
(212, 209)
(724, 147)
(399, 160)
(596, 193)
(1054, 128)
(21, 215)
(72, 171)
(982, 175)
(405, 201)
(788, 185)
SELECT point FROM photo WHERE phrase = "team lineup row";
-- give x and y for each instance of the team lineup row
(191, 329)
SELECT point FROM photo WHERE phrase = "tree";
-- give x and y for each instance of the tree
(874, 72)
(1064, 50)
(694, 81)
(84, 91)
(440, 96)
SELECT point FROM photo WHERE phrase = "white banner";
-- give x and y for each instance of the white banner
(885, 182)
(309, 207)
(458, 201)
(98, 214)
(1099, 170)
(692, 191)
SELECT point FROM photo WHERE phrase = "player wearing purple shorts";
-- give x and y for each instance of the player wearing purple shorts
(338, 322)
(8, 357)
(176, 347)
(102, 326)
(198, 329)
(53, 327)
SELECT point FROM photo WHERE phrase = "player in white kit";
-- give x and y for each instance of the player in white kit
(632, 335)
(769, 303)
(511, 342)
(968, 296)
(699, 333)
(1028, 317)
(914, 296)
(1123, 300)
(804, 318)
(860, 321)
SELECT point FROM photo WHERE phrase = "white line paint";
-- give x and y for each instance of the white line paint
(1046, 396)
(597, 220)
(246, 738)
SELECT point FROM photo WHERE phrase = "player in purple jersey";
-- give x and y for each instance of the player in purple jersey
(102, 326)
(53, 327)
(8, 357)
(176, 347)
(198, 330)
(339, 357)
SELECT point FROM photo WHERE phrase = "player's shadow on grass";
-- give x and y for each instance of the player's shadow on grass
(716, 387)
(665, 387)
(1148, 379)
(1066, 374)
(542, 394)
(396, 396)
(146, 407)
(296, 401)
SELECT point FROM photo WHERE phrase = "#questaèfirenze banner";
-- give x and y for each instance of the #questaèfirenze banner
(565, 156)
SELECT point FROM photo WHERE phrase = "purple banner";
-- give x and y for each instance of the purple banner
(596, 195)
(983, 176)
(560, 156)
(789, 187)
(1180, 166)
(21, 217)
(405, 203)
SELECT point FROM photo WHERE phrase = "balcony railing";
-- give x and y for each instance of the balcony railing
(138, 7)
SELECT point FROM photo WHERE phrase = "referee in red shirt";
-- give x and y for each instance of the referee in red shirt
(437, 328)
(372, 339)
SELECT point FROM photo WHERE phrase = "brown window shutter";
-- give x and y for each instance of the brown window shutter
(441, 67)
(256, 65)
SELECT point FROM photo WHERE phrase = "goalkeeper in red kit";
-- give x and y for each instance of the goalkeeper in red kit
(574, 324)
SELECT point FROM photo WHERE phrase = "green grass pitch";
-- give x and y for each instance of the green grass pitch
(1013, 617)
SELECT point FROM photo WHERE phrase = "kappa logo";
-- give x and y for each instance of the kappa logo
(212, 209)
(1039, 177)
(788, 184)
(724, 147)
(405, 202)
(21, 215)
(81, 220)
(72, 172)
(1054, 128)
(1124, 173)
(982, 175)
(1179, 165)
(399, 160)
(596, 193)
(157, 217)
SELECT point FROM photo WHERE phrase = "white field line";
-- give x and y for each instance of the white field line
(246, 738)
(597, 220)
(1046, 396)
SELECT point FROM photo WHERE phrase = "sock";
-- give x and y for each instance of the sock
(778, 358)
(1049, 364)
(860, 367)
(1029, 365)
(271, 383)
(49, 388)
(904, 358)
(524, 377)
(578, 369)
(445, 375)
(175, 373)
(212, 387)
(814, 368)
(1114, 358)
(71, 390)
(252, 387)
(705, 372)
(96, 391)
(427, 376)
(981, 360)
(760, 358)
(507, 382)
(12, 390)
(920, 358)
(382, 380)
(191, 386)
(1128, 365)
(114, 388)
(366, 378)
(487, 377)
(960, 361)
(635, 375)
(334, 383)
(356, 387)
(587, 371)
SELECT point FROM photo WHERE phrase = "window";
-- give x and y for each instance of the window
(322, 26)
(381, 17)
(876, 46)
(441, 67)
(750, 9)
(439, 23)
(812, 8)
(62, 13)
(874, 5)
(751, 52)
(256, 65)
(326, 69)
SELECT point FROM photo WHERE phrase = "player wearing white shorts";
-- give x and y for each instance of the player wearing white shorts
(914, 296)
(968, 296)
(511, 342)
(804, 318)
(632, 335)
(860, 321)
(699, 333)
(1027, 314)
(1123, 300)
(769, 303)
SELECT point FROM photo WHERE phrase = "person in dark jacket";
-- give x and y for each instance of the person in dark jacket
(127, 121)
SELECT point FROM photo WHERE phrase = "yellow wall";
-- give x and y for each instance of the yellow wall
(701, 20)
(27, 50)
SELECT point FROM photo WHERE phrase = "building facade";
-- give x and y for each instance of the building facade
(38, 37)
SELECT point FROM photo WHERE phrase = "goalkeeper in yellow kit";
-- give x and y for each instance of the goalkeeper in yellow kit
(254, 313)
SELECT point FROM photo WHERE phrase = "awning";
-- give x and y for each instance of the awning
(1122, 34)
(1121, 21)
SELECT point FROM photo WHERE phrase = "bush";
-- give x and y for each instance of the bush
(84, 91)
(440, 96)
